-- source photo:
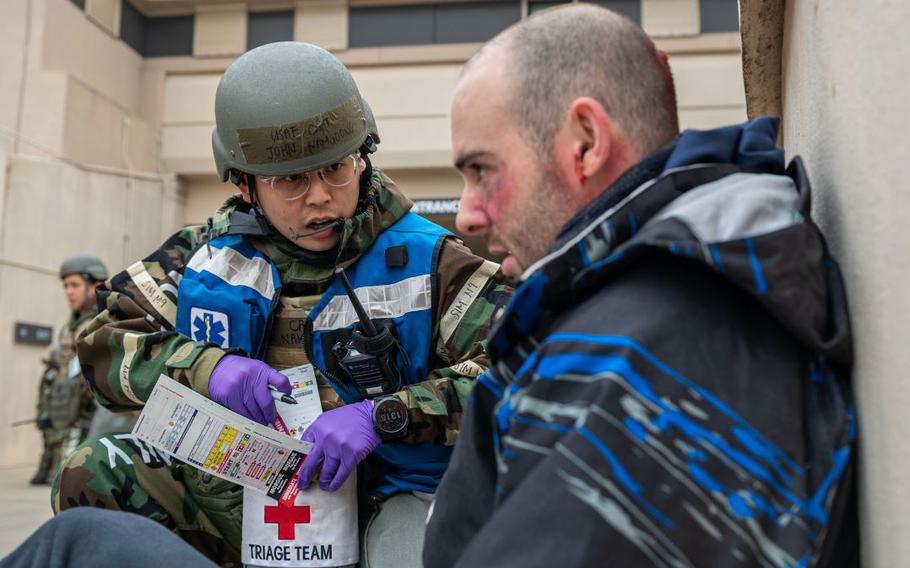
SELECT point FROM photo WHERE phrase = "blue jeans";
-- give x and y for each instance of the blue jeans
(86, 537)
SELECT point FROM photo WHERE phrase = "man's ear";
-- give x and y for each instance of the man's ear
(590, 131)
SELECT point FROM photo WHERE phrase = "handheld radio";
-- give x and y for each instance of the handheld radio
(369, 356)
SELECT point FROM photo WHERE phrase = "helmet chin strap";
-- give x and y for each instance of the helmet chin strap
(264, 222)
(86, 296)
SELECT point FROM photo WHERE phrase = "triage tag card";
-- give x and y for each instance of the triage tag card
(183, 423)
(293, 419)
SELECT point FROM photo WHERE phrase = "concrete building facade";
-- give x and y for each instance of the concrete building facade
(106, 114)
(833, 70)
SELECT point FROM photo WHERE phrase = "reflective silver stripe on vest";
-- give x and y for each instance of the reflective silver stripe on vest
(235, 269)
(388, 301)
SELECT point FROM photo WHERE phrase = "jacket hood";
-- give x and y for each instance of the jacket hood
(381, 207)
(720, 198)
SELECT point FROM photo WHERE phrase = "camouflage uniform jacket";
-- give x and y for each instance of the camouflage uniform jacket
(60, 360)
(133, 340)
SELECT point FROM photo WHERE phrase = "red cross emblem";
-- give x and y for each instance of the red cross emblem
(286, 517)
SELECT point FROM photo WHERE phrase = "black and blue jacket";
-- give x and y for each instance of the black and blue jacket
(670, 385)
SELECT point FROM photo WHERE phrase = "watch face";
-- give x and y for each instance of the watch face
(390, 415)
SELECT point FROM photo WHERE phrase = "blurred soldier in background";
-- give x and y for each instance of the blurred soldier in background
(65, 404)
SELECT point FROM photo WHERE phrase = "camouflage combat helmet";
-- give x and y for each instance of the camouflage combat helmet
(285, 108)
(86, 264)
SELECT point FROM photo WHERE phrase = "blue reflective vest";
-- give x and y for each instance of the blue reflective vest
(226, 294)
(229, 289)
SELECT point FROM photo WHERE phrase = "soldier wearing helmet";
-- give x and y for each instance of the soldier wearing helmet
(225, 307)
(65, 405)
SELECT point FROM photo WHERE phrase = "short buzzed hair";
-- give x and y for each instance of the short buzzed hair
(585, 50)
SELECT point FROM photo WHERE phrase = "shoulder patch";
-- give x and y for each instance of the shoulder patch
(210, 326)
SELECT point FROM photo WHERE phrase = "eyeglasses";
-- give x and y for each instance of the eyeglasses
(295, 186)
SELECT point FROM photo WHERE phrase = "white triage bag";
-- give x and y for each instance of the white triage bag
(317, 528)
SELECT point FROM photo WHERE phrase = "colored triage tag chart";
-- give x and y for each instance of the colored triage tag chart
(202, 433)
(293, 419)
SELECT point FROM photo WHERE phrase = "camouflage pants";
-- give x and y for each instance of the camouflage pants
(52, 455)
(119, 472)
(57, 443)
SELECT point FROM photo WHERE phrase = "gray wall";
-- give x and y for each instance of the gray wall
(845, 97)
(50, 210)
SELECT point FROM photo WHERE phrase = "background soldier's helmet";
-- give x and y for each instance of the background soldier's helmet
(88, 265)
(286, 108)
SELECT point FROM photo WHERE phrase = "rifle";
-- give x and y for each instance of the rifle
(43, 423)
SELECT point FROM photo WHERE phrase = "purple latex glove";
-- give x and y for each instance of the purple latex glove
(342, 438)
(242, 385)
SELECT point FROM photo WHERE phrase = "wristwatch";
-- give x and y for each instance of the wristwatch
(390, 417)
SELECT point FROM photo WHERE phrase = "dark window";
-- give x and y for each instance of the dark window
(269, 27)
(132, 27)
(535, 6)
(80, 3)
(460, 22)
(628, 8)
(473, 21)
(172, 35)
(156, 37)
(719, 16)
(390, 25)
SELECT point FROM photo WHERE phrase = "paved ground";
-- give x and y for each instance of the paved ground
(24, 507)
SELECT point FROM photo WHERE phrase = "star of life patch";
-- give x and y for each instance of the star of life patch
(210, 326)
